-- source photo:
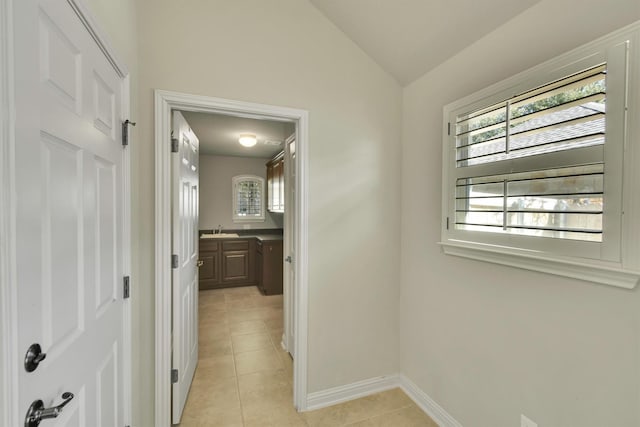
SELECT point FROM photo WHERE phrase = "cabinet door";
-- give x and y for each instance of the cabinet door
(269, 187)
(275, 184)
(281, 185)
(207, 266)
(235, 266)
(277, 177)
(209, 271)
(272, 268)
(259, 268)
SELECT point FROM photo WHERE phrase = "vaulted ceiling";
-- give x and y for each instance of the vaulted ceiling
(407, 38)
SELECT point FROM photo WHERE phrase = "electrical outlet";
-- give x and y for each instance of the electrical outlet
(526, 422)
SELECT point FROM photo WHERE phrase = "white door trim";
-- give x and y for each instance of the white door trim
(165, 101)
(10, 355)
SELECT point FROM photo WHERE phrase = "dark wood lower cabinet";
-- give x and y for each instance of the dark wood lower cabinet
(209, 270)
(259, 266)
(269, 266)
(227, 263)
(235, 266)
(210, 267)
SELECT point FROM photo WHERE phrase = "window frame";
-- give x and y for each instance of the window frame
(234, 191)
(615, 261)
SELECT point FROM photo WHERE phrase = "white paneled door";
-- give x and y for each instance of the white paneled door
(184, 221)
(68, 217)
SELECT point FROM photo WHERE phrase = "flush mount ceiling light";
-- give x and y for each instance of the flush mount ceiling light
(247, 140)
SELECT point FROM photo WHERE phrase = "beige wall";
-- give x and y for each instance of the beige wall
(216, 195)
(490, 342)
(284, 52)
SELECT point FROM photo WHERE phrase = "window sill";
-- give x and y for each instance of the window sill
(588, 270)
(247, 220)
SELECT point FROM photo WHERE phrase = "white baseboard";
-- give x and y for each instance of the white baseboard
(427, 404)
(333, 396)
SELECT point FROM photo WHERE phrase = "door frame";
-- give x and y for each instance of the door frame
(164, 103)
(288, 340)
(10, 414)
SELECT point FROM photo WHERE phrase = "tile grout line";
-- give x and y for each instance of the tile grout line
(235, 371)
(237, 377)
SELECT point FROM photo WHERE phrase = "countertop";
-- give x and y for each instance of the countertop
(263, 237)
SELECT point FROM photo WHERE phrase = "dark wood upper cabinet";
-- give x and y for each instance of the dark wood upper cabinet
(275, 184)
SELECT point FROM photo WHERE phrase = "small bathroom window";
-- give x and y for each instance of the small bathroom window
(248, 199)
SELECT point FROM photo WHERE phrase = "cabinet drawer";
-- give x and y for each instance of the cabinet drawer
(235, 245)
(208, 245)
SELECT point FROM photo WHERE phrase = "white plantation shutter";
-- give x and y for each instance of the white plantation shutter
(248, 198)
(565, 203)
(564, 115)
(513, 172)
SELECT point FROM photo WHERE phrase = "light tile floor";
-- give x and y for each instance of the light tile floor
(245, 379)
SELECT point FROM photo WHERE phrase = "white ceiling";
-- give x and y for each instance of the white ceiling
(218, 134)
(407, 38)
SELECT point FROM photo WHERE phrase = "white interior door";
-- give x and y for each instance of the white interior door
(185, 274)
(68, 217)
(289, 242)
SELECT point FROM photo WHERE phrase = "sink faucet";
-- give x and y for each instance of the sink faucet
(219, 229)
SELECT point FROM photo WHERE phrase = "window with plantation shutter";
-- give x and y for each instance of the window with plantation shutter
(538, 169)
(248, 198)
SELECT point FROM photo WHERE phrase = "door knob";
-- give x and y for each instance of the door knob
(33, 357)
(37, 412)
(200, 263)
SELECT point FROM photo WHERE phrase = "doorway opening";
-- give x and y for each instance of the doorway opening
(294, 339)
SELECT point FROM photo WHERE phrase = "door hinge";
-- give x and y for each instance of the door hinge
(174, 261)
(447, 223)
(449, 128)
(174, 376)
(125, 131)
(126, 288)
(174, 145)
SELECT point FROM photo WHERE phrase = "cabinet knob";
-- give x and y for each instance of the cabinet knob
(200, 263)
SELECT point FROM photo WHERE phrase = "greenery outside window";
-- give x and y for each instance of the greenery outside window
(248, 198)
